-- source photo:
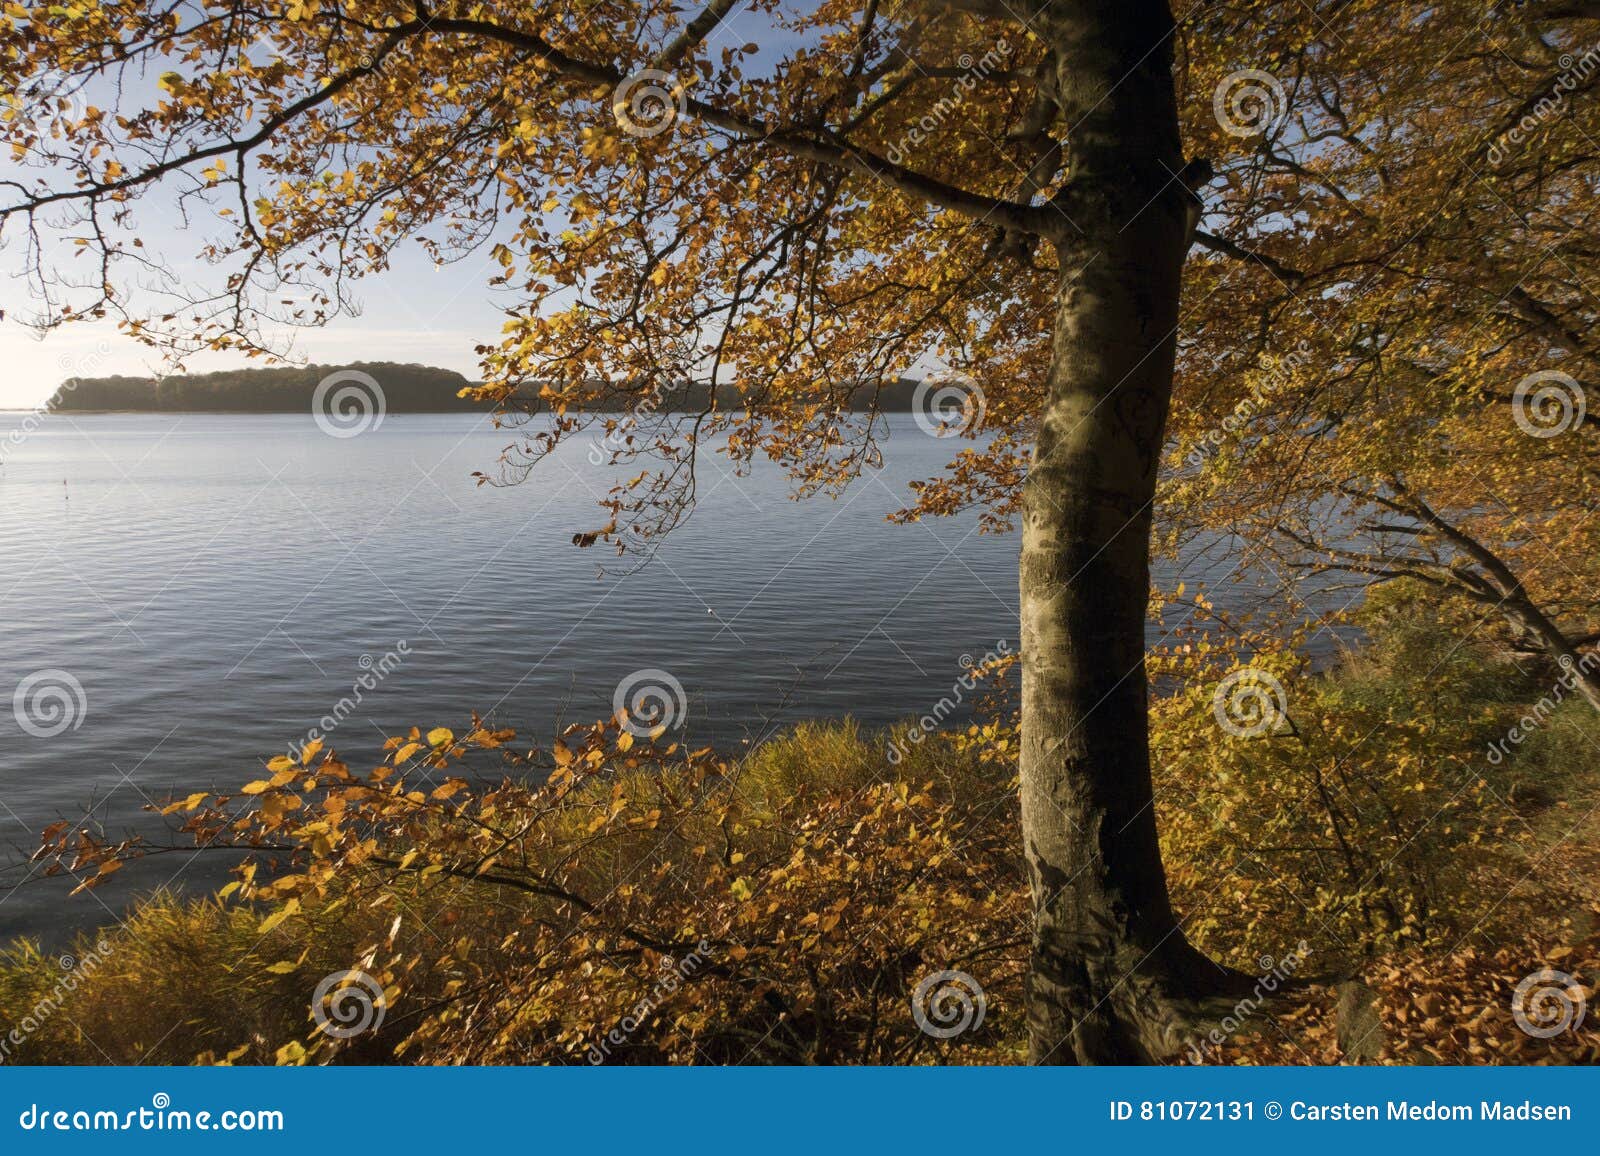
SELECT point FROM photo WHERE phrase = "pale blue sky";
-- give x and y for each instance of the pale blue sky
(414, 312)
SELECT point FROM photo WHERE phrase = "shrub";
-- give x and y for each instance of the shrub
(637, 906)
(616, 899)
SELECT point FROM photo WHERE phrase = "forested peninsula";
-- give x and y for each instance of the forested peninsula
(287, 389)
(406, 388)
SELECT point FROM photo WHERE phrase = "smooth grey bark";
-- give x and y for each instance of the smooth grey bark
(1112, 978)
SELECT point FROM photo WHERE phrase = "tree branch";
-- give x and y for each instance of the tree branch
(1239, 253)
(826, 149)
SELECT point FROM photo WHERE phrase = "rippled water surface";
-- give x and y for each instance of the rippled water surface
(215, 584)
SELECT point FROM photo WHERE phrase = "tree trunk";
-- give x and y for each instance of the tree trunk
(1113, 980)
(1582, 672)
(1503, 590)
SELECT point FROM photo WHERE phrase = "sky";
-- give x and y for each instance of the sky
(412, 312)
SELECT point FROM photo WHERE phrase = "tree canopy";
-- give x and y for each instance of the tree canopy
(1384, 316)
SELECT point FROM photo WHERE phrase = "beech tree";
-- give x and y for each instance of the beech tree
(997, 187)
(1393, 374)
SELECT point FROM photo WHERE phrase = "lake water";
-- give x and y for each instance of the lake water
(216, 584)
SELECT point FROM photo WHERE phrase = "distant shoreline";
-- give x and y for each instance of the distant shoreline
(391, 413)
(223, 412)
(393, 388)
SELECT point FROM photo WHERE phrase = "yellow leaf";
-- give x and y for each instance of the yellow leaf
(290, 908)
(187, 804)
(441, 736)
(274, 808)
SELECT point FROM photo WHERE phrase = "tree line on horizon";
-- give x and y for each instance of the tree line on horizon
(407, 388)
(280, 389)
(1261, 271)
